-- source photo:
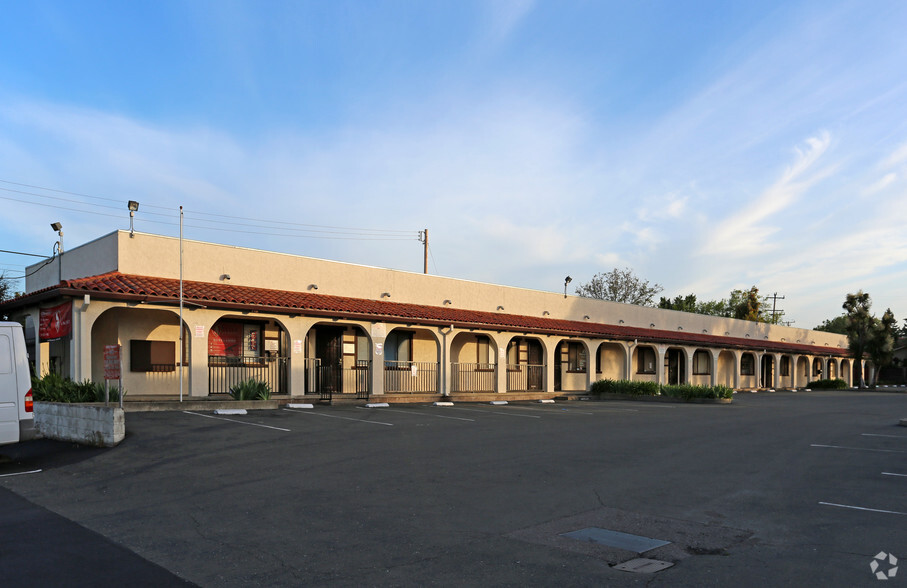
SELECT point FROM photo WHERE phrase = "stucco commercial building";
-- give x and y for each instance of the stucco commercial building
(311, 327)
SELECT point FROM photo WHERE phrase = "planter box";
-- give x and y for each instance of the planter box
(86, 424)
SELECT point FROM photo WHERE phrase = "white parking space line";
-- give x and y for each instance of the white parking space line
(555, 410)
(863, 508)
(208, 416)
(440, 416)
(496, 412)
(893, 474)
(19, 473)
(860, 448)
(334, 416)
(879, 435)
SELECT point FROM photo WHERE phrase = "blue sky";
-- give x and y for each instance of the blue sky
(707, 145)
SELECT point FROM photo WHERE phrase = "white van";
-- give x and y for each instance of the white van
(17, 422)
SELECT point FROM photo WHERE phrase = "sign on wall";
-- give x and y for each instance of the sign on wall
(111, 362)
(55, 322)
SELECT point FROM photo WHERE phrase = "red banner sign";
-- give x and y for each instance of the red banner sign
(225, 338)
(55, 322)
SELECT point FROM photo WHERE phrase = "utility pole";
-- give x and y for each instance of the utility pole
(775, 298)
(423, 238)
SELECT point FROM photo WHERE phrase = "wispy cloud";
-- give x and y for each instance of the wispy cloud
(744, 232)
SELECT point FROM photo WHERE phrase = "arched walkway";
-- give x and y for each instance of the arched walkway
(525, 365)
(473, 367)
(411, 363)
(611, 362)
(150, 354)
(242, 348)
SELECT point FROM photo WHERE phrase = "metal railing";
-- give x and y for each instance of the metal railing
(312, 381)
(472, 377)
(523, 377)
(410, 377)
(333, 379)
(225, 372)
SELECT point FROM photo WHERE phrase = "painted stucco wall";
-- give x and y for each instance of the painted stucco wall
(154, 255)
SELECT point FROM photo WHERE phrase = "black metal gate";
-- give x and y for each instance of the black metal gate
(336, 380)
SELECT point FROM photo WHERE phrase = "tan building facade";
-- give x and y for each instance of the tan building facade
(312, 327)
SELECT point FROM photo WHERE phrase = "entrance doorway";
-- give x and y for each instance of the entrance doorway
(676, 366)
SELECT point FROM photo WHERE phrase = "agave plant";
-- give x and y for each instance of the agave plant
(251, 389)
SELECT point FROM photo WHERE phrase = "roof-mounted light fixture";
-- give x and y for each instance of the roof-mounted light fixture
(58, 227)
(567, 280)
(133, 206)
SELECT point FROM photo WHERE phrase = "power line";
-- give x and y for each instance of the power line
(173, 215)
(20, 253)
(352, 236)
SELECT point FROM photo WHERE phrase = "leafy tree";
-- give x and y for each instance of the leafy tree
(6, 287)
(682, 303)
(741, 304)
(620, 286)
(746, 304)
(881, 343)
(867, 335)
(836, 325)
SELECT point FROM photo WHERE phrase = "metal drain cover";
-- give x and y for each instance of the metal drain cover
(642, 565)
(634, 543)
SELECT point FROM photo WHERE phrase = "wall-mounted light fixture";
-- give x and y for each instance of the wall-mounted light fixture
(133, 207)
(651, 325)
(385, 295)
(679, 328)
(500, 308)
(705, 331)
(585, 317)
(620, 322)
(224, 277)
(313, 286)
(545, 313)
(447, 303)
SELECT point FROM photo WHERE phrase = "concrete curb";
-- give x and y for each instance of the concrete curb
(664, 399)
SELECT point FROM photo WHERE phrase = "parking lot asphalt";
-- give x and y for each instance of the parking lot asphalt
(774, 489)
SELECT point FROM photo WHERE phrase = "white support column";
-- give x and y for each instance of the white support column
(794, 361)
(776, 370)
(713, 379)
(660, 352)
(501, 340)
(377, 334)
(199, 322)
(688, 372)
(758, 369)
(297, 329)
(445, 377)
(550, 348)
(630, 348)
(737, 355)
(590, 361)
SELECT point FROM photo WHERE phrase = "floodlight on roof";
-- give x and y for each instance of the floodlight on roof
(133, 206)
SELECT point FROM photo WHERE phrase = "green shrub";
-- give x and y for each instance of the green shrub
(832, 384)
(690, 391)
(55, 388)
(251, 389)
(624, 387)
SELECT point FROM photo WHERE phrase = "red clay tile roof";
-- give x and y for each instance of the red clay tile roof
(115, 285)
